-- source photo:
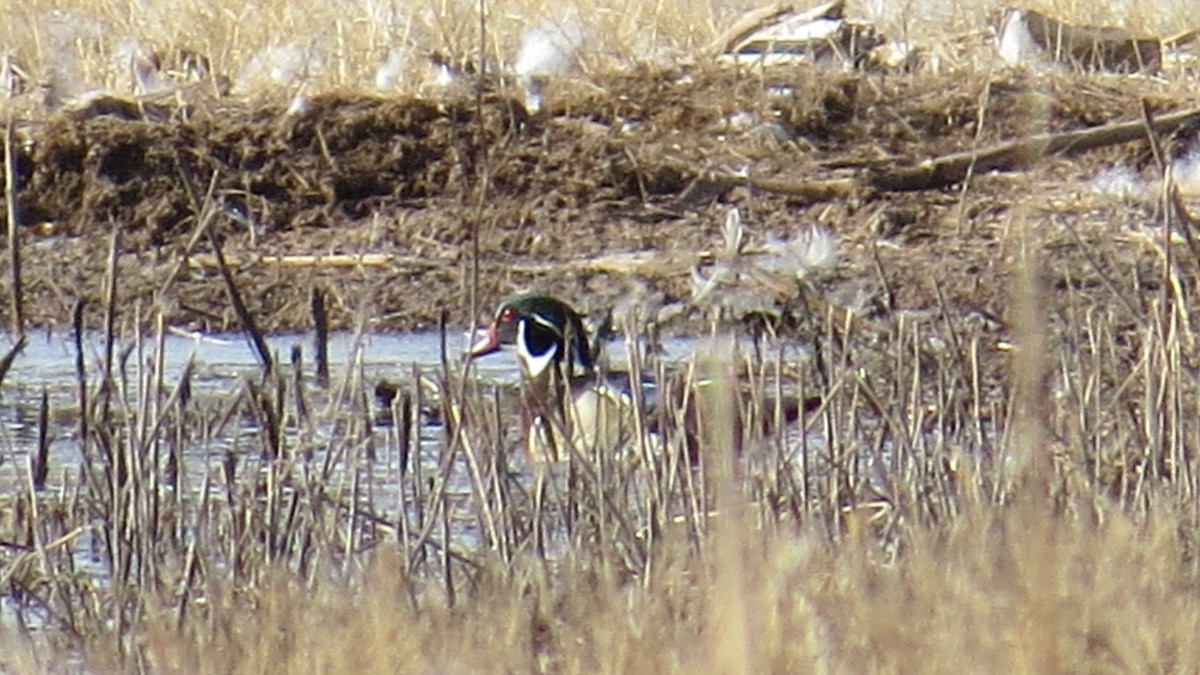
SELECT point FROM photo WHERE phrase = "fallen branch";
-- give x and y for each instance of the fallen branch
(634, 263)
(1020, 154)
(746, 25)
(756, 20)
(808, 190)
(208, 261)
(949, 169)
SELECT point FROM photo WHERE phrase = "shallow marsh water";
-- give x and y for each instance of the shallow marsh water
(358, 456)
(220, 364)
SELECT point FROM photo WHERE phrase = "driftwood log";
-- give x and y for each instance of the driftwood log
(950, 169)
(1022, 153)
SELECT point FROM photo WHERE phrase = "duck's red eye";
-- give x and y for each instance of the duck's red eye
(507, 314)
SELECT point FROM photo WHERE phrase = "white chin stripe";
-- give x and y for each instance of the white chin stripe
(534, 365)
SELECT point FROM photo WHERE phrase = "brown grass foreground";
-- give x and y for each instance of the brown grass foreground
(1007, 590)
(1010, 589)
(948, 521)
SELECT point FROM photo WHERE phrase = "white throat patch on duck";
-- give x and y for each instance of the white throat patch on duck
(536, 350)
(545, 332)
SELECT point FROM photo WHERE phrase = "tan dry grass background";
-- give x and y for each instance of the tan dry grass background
(341, 44)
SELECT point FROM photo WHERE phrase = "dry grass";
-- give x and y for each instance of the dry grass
(1006, 591)
(948, 513)
(946, 506)
(341, 44)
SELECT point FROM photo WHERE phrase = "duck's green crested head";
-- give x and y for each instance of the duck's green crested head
(545, 331)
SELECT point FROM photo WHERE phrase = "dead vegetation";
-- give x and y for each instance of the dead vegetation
(940, 503)
(639, 163)
(995, 470)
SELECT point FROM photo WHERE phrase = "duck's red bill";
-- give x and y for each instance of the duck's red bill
(490, 343)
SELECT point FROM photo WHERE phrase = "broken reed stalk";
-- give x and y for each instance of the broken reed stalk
(6, 361)
(81, 382)
(1181, 212)
(416, 485)
(981, 121)
(249, 325)
(501, 483)
(110, 318)
(16, 299)
(401, 410)
(321, 336)
(302, 414)
(176, 469)
(40, 464)
(477, 469)
(1166, 297)
(429, 505)
(641, 425)
(447, 464)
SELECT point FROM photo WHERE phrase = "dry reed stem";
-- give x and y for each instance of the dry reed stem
(13, 229)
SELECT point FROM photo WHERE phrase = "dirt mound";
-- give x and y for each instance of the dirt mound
(622, 164)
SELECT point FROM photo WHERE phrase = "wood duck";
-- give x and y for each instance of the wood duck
(564, 399)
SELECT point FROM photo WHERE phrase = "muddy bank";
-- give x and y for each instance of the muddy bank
(552, 200)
